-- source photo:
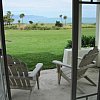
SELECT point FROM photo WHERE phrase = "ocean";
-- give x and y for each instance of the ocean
(42, 19)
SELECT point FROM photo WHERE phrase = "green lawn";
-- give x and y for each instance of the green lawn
(33, 46)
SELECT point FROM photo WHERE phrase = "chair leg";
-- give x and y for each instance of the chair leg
(37, 78)
(59, 78)
(87, 78)
(29, 98)
(59, 73)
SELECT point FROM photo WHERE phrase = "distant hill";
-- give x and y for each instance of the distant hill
(42, 19)
(36, 19)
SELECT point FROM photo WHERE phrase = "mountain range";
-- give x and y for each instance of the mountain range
(42, 19)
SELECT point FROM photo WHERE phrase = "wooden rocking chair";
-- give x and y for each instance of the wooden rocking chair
(85, 63)
(19, 76)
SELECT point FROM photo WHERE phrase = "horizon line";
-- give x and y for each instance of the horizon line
(51, 17)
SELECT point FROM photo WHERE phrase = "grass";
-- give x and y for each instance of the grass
(33, 46)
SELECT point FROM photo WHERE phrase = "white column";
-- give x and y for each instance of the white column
(80, 23)
(97, 37)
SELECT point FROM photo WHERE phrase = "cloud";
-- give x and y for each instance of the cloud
(49, 8)
(35, 6)
(36, 3)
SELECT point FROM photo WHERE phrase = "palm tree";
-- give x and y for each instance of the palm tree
(19, 23)
(5, 19)
(65, 17)
(61, 18)
(22, 16)
(9, 17)
(11, 20)
(9, 14)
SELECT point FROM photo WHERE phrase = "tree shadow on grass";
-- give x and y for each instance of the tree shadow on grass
(31, 59)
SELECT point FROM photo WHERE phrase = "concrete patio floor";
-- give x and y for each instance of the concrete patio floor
(50, 90)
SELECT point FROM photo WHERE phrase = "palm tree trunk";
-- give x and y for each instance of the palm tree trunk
(22, 20)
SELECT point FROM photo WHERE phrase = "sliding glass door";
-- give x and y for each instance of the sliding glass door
(4, 78)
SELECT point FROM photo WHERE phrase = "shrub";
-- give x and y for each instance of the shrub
(69, 44)
(30, 22)
(36, 24)
(42, 24)
(32, 26)
(87, 41)
(36, 27)
(58, 24)
(56, 28)
(10, 27)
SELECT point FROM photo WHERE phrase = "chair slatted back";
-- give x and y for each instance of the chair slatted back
(17, 61)
(18, 78)
(10, 60)
(24, 69)
(87, 60)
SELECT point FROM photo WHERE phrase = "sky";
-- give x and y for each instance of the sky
(46, 8)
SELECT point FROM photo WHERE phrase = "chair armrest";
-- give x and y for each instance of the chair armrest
(80, 58)
(36, 70)
(94, 62)
(61, 64)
